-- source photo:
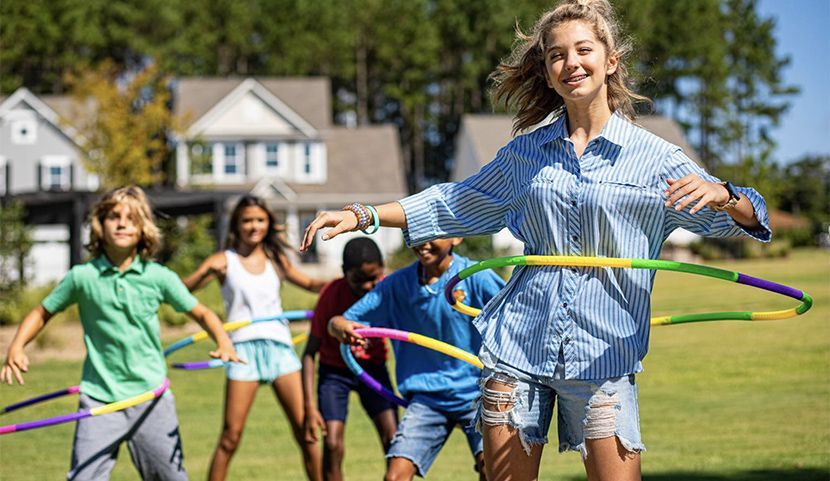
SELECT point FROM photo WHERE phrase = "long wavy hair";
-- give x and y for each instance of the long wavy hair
(134, 198)
(273, 242)
(519, 81)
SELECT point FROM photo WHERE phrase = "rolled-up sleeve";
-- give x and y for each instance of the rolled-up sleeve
(708, 222)
(477, 205)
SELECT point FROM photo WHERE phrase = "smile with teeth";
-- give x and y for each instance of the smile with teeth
(575, 79)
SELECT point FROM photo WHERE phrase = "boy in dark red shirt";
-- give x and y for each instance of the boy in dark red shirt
(362, 269)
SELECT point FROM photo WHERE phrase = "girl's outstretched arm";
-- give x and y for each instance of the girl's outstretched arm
(298, 277)
(390, 215)
(214, 267)
(16, 360)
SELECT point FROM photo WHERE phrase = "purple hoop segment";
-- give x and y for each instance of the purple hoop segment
(84, 413)
(41, 398)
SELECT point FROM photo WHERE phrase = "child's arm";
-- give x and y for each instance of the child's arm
(298, 278)
(16, 360)
(344, 331)
(211, 323)
(214, 267)
(313, 419)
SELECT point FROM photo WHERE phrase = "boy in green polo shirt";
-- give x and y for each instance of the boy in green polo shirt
(118, 294)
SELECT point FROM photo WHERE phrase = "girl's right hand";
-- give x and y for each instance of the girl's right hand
(312, 423)
(16, 364)
(340, 221)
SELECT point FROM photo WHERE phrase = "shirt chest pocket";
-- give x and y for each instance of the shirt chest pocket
(627, 198)
(144, 304)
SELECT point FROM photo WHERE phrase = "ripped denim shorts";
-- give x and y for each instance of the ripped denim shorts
(587, 409)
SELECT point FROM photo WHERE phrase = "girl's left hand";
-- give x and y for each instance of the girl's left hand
(690, 188)
(226, 353)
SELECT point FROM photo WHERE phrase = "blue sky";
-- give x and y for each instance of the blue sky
(803, 33)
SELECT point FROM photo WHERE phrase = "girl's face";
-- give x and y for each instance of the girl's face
(120, 229)
(253, 225)
(576, 64)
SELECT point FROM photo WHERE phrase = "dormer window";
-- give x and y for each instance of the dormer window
(24, 131)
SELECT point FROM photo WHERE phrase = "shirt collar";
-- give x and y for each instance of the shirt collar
(103, 264)
(614, 130)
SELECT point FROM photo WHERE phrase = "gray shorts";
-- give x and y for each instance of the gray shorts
(151, 430)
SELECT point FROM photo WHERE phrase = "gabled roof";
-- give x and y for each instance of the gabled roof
(308, 97)
(489, 132)
(45, 107)
(362, 160)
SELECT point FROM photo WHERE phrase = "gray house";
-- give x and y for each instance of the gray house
(273, 137)
(482, 135)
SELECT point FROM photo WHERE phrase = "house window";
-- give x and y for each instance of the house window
(24, 131)
(272, 156)
(201, 159)
(307, 159)
(232, 160)
(55, 173)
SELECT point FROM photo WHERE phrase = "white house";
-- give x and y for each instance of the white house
(275, 138)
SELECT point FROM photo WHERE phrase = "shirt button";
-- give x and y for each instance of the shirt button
(564, 304)
(573, 203)
(567, 340)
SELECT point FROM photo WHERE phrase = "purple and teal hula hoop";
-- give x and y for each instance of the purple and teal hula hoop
(658, 265)
(231, 326)
(83, 413)
(405, 336)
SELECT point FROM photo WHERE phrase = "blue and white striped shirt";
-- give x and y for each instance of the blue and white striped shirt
(609, 203)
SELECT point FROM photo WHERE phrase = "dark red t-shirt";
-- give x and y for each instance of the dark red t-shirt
(334, 300)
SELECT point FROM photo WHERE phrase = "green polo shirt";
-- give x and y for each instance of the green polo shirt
(119, 314)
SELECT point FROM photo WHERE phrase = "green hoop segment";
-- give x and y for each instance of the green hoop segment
(659, 265)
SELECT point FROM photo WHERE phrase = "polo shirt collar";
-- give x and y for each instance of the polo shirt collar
(103, 264)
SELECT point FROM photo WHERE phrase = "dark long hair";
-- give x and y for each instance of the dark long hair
(275, 246)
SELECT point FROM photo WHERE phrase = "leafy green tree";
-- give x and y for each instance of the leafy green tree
(124, 123)
(15, 245)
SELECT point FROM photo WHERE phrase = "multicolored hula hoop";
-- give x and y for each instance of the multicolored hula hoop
(231, 326)
(84, 413)
(399, 335)
(659, 265)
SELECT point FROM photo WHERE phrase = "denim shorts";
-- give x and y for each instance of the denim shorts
(586, 409)
(423, 431)
(335, 385)
(266, 360)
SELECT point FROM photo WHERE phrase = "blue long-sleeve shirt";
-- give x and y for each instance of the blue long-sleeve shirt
(609, 203)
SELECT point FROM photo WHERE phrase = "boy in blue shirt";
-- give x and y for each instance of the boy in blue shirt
(441, 390)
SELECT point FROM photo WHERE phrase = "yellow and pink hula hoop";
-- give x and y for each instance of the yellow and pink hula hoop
(405, 336)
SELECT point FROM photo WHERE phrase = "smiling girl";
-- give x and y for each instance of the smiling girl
(588, 183)
(249, 270)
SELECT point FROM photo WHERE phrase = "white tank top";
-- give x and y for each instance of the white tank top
(252, 296)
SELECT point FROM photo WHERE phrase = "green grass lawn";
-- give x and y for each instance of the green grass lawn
(735, 401)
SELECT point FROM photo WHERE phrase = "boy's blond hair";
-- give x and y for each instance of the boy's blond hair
(134, 198)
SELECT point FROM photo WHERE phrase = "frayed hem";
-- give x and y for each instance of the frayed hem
(633, 448)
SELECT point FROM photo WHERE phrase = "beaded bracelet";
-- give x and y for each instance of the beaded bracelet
(375, 219)
(361, 212)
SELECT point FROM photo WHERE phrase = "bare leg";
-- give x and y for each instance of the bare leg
(289, 391)
(400, 469)
(608, 460)
(386, 424)
(239, 395)
(505, 458)
(334, 450)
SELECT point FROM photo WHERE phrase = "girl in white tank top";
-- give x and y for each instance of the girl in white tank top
(250, 270)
